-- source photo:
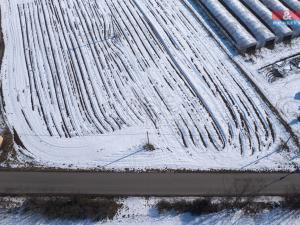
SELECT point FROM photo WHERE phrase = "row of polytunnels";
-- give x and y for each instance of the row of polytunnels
(251, 24)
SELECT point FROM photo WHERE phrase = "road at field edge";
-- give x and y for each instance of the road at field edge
(149, 184)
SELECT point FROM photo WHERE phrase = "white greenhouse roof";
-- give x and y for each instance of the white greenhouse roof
(242, 38)
(293, 5)
(265, 15)
(276, 5)
(254, 25)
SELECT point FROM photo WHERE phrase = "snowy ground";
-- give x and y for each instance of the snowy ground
(284, 92)
(140, 211)
(84, 81)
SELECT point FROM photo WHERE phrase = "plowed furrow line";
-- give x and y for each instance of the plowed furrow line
(107, 91)
(63, 65)
(139, 33)
(78, 72)
(124, 21)
(87, 80)
(30, 65)
(26, 59)
(57, 81)
(219, 132)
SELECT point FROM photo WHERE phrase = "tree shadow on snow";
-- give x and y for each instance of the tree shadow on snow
(124, 157)
(294, 122)
(297, 96)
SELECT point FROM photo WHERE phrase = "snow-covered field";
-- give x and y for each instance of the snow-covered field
(141, 211)
(85, 80)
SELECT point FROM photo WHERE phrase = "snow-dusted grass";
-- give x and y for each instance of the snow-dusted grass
(142, 211)
(84, 81)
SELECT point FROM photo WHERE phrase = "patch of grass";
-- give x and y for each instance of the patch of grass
(75, 208)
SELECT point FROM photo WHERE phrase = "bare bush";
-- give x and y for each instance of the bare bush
(283, 146)
(7, 147)
(292, 202)
(207, 206)
(73, 208)
(149, 147)
(198, 206)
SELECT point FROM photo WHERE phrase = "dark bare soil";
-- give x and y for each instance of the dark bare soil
(7, 148)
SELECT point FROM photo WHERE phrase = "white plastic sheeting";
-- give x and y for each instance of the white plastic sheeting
(275, 5)
(262, 34)
(241, 37)
(282, 32)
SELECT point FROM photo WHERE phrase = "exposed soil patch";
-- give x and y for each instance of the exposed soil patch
(7, 149)
(17, 139)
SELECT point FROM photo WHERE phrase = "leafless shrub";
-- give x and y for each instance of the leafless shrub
(73, 208)
(207, 206)
(292, 202)
(149, 147)
(198, 206)
(254, 208)
(283, 146)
